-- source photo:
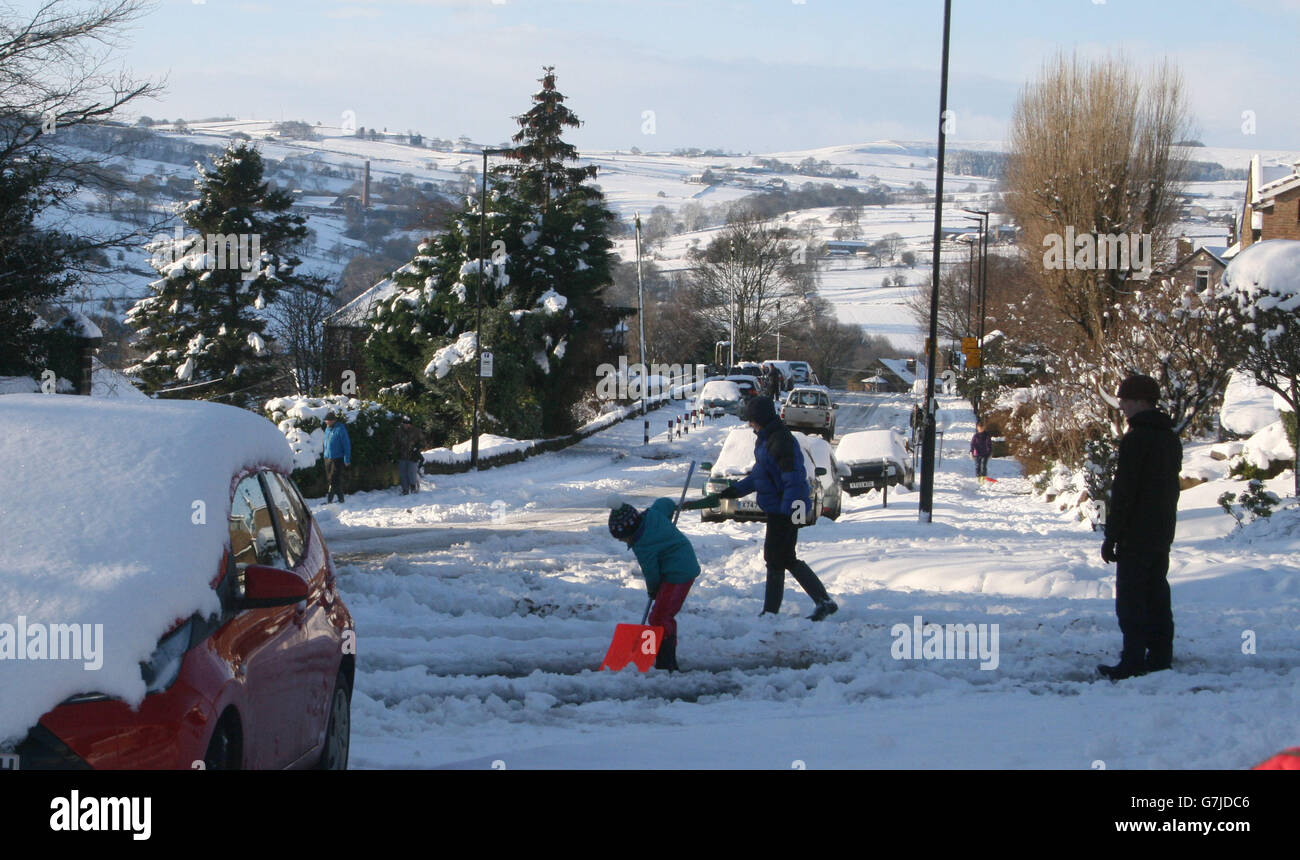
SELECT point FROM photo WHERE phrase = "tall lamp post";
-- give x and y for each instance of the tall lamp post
(982, 292)
(478, 309)
(926, 511)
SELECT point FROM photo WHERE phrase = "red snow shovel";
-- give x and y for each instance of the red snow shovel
(638, 643)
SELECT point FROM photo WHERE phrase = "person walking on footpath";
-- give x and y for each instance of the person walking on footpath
(406, 450)
(981, 448)
(338, 454)
(668, 564)
(1140, 526)
(780, 480)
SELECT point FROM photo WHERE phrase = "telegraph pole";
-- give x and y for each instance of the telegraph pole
(478, 310)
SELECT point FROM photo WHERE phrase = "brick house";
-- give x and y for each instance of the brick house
(1271, 209)
(1200, 268)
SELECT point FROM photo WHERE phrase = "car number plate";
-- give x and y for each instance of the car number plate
(859, 484)
(749, 506)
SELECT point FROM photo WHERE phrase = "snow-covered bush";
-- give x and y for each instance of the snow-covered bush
(370, 428)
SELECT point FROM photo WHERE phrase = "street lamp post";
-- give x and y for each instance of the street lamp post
(478, 310)
(983, 217)
(927, 448)
(778, 330)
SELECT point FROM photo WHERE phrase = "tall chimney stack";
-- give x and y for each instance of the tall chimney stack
(365, 188)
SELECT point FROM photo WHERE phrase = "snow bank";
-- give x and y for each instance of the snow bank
(1247, 407)
(1267, 445)
(127, 535)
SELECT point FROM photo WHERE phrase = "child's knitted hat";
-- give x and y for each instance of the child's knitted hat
(623, 521)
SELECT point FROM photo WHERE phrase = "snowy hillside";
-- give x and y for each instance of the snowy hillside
(323, 172)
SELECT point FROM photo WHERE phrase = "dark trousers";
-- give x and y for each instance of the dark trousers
(779, 555)
(334, 478)
(1142, 603)
(981, 467)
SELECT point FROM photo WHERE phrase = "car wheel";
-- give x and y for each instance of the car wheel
(338, 734)
(225, 751)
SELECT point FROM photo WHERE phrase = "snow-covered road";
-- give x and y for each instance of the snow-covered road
(485, 603)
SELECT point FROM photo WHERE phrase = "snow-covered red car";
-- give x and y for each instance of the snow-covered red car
(184, 602)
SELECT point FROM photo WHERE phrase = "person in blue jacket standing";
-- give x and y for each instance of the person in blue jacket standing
(780, 480)
(338, 454)
(668, 564)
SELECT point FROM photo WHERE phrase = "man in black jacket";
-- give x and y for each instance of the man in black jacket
(1140, 529)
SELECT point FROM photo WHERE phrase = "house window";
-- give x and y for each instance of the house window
(1202, 279)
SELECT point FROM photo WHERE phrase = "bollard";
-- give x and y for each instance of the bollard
(646, 430)
(686, 424)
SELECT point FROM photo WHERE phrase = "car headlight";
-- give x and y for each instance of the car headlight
(164, 665)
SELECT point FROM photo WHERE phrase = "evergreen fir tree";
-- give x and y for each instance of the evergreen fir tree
(542, 174)
(203, 322)
(548, 258)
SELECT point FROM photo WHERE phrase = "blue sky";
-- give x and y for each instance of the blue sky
(748, 75)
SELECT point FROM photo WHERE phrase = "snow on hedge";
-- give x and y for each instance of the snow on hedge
(115, 514)
(290, 414)
(488, 446)
(1266, 276)
(1247, 407)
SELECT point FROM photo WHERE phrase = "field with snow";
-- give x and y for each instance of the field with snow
(485, 603)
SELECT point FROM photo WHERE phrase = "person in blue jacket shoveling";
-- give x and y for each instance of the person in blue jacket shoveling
(780, 479)
(667, 561)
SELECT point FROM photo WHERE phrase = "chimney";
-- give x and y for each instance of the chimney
(365, 188)
(1183, 249)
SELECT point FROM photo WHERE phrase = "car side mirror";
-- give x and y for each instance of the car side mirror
(268, 587)
(706, 466)
(819, 471)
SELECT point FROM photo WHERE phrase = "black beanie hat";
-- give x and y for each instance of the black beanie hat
(1138, 387)
(623, 521)
(762, 410)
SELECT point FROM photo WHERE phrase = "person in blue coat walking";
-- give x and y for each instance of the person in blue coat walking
(668, 564)
(780, 481)
(338, 454)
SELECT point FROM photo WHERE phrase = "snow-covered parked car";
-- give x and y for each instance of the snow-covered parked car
(735, 461)
(830, 474)
(874, 460)
(719, 397)
(176, 601)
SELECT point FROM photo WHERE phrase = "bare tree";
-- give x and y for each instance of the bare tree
(1093, 152)
(54, 78)
(298, 324)
(744, 273)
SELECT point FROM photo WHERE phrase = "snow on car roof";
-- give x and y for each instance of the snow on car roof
(720, 389)
(115, 514)
(871, 445)
(736, 458)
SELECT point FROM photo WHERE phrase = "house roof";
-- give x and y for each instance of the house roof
(898, 367)
(356, 312)
(1270, 180)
